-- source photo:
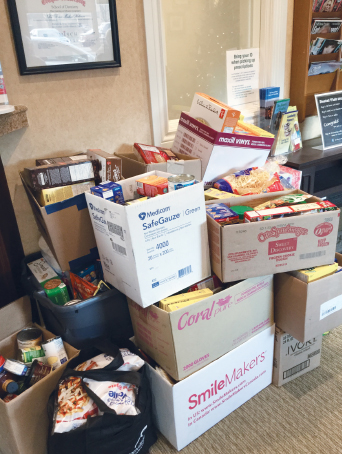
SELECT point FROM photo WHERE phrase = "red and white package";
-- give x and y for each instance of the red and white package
(132, 362)
(293, 176)
(149, 154)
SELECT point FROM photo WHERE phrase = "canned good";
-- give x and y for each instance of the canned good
(180, 181)
(29, 354)
(29, 337)
(37, 372)
(15, 367)
(55, 352)
(57, 291)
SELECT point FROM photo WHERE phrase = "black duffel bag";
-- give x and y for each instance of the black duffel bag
(108, 433)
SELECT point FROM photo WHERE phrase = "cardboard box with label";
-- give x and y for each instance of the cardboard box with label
(307, 310)
(67, 229)
(24, 421)
(274, 246)
(221, 153)
(152, 249)
(293, 358)
(188, 339)
(186, 410)
(185, 165)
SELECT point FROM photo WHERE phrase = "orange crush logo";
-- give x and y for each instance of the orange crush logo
(45, 2)
(274, 232)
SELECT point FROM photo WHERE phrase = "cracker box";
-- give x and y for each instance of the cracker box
(106, 166)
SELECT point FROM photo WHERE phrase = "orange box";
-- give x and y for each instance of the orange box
(152, 185)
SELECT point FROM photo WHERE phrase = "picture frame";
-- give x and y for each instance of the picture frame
(64, 35)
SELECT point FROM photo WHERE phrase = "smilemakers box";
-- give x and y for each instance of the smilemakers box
(307, 310)
(152, 249)
(221, 153)
(293, 358)
(186, 410)
(268, 247)
(186, 340)
(24, 421)
(185, 165)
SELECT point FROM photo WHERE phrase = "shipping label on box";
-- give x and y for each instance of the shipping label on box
(186, 410)
(221, 153)
(293, 358)
(209, 328)
(154, 248)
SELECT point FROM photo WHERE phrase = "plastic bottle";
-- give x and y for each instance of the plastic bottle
(3, 94)
(7, 383)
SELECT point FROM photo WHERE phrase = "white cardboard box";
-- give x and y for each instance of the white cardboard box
(152, 249)
(186, 410)
(293, 358)
(268, 247)
(221, 153)
(209, 329)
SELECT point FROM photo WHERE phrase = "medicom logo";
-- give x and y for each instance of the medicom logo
(92, 207)
(150, 214)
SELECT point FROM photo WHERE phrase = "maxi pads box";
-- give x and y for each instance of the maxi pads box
(221, 153)
(267, 247)
(184, 411)
(185, 340)
(307, 310)
(24, 421)
(152, 249)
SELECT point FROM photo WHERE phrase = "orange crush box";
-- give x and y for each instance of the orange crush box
(152, 185)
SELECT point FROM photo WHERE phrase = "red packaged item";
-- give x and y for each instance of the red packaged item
(81, 288)
(212, 283)
(152, 185)
(152, 155)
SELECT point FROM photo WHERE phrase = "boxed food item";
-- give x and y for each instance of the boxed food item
(185, 340)
(306, 310)
(214, 113)
(131, 166)
(61, 174)
(272, 246)
(24, 420)
(185, 410)
(216, 194)
(221, 153)
(315, 273)
(106, 167)
(55, 195)
(62, 160)
(110, 191)
(154, 248)
(293, 358)
(149, 154)
(152, 186)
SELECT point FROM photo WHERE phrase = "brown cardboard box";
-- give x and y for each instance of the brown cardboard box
(268, 247)
(66, 227)
(24, 421)
(186, 164)
(307, 310)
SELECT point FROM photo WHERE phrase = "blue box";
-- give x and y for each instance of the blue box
(110, 191)
(269, 93)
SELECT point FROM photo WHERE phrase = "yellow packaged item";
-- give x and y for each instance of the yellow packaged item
(133, 202)
(313, 274)
(61, 193)
(253, 130)
(216, 194)
(175, 306)
(185, 297)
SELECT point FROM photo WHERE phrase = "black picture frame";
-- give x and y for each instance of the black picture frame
(25, 70)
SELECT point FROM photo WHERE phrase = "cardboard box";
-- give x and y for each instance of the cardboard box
(106, 166)
(184, 341)
(186, 164)
(186, 410)
(221, 153)
(152, 249)
(307, 310)
(67, 229)
(293, 358)
(24, 421)
(274, 246)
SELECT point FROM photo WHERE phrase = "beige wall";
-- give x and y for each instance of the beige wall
(73, 111)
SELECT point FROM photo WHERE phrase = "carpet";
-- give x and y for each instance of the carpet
(303, 416)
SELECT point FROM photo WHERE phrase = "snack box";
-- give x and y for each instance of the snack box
(272, 246)
(214, 113)
(110, 191)
(315, 273)
(59, 194)
(152, 186)
(149, 154)
(216, 194)
(62, 160)
(106, 167)
(184, 298)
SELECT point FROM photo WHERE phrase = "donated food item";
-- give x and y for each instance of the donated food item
(110, 191)
(55, 352)
(81, 288)
(7, 383)
(174, 302)
(216, 194)
(152, 186)
(56, 291)
(132, 362)
(180, 181)
(284, 200)
(28, 354)
(313, 274)
(72, 302)
(15, 367)
(254, 180)
(55, 195)
(9, 397)
(212, 283)
(63, 160)
(214, 113)
(2, 363)
(41, 270)
(148, 154)
(240, 211)
(106, 166)
(222, 214)
(133, 202)
(252, 130)
(37, 372)
(29, 337)
(62, 174)
(293, 176)
(88, 274)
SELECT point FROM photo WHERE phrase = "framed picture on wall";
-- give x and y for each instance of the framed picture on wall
(64, 35)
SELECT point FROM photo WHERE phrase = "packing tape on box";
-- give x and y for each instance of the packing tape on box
(78, 200)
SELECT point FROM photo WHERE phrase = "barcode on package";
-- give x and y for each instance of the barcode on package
(119, 249)
(294, 370)
(184, 271)
(311, 255)
(116, 229)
